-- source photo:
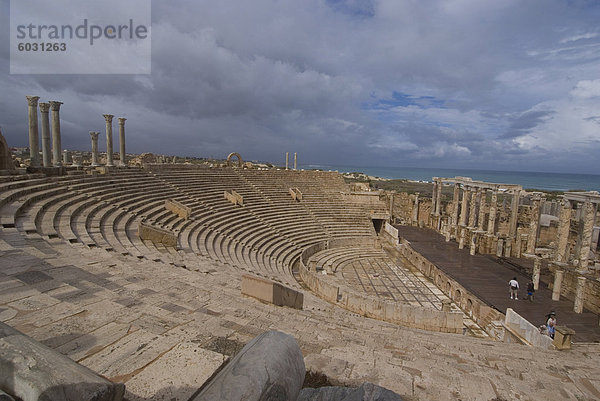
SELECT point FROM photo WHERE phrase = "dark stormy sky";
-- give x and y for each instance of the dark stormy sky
(505, 85)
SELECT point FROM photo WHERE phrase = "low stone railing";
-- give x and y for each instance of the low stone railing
(178, 208)
(157, 235)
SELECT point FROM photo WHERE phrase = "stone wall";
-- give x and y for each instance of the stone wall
(591, 299)
(483, 314)
(178, 208)
(271, 292)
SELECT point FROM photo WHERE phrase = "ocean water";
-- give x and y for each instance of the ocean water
(528, 179)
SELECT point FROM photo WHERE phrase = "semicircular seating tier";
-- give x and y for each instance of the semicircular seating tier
(265, 235)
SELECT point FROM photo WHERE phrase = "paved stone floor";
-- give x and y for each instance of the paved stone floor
(488, 278)
(163, 329)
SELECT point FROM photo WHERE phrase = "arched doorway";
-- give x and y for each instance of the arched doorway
(240, 162)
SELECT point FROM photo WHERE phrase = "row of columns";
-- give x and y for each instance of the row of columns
(109, 142)
(53, 158)
(287, 160)
(34, 148)
(473, 205)
(584, 238)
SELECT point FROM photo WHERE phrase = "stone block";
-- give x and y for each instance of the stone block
(563, 337)
(271, 292)
(157, 235)
(32, 371)
(234, 197)
(178, 208)
(270, 367)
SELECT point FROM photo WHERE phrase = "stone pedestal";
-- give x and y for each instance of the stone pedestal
(56, 144)
(563, 336)
(461, 241)
(34, 148)
(123, 161)
(508, 247)
(537, 269)
(473, 245)
(94, 135)
(579, 295)
(109, 140)
(46, 147)
(558, 278)
(500, 247)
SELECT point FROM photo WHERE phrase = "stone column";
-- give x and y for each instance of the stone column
(66, 156)
(537, 269)
(491, 228)
(564, 225)
(589, 214)
(499, 247)
(579, 295)
(438, 199)
(481, 218)
(46, 149)
(287, 160)
(295, 161)
(34, 147)
(534, 224)
(558, 277)
(434, 194)
(391, 208)
(461, 240)
(463, 206)
(56, 145)
(415, 213)
(514, 214)
(109, 142)
(473, 245)
(472, 210)
(455, 202)
(122, 162)
(94, 136)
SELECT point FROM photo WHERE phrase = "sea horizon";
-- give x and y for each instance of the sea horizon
(548, 181)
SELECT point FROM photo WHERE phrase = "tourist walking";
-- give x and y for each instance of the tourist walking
(551, 323)
(514, 288)
(530, 291)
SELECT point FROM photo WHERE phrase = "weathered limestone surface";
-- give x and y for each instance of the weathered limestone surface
(94, 135)
(271, 292)
(366, 392)
(32, 371)
(122, 154)
(270, 367)
(157, 235)
(109, 140)
(178, 208)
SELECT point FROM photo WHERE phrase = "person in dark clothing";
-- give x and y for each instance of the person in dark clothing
(530, 291)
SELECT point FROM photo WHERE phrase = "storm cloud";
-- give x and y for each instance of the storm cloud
(458, 83)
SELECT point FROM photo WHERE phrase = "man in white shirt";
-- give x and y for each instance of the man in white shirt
(514, 288)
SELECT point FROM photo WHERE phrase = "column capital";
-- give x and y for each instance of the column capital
(55, 105)
(94, 135)
(44, 107)
(108, 117)
(32, 100)
(122, 120)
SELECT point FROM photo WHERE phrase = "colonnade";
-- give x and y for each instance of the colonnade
(52, 156)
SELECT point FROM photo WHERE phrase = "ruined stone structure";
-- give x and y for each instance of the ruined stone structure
(122, 154)
(34, 149)
(6, 162)
(109, 140)
(56, 140)
(46, 145)
(240, 162)
(162, 311)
